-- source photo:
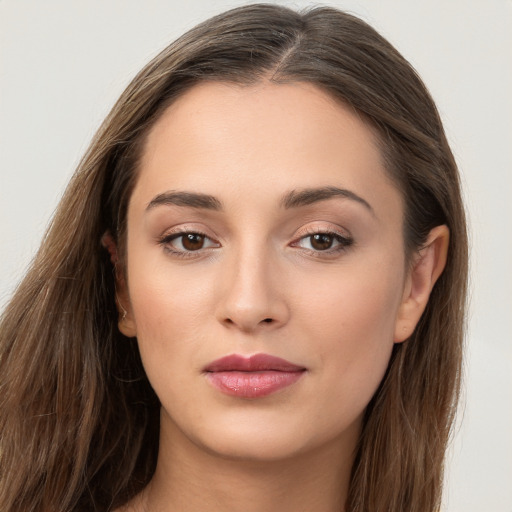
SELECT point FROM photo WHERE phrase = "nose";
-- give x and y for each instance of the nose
(251, 295)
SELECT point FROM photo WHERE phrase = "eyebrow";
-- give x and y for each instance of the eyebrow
(190, 199)
(293, 199)
(307, 196)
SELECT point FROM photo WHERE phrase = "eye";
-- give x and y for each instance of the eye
(187, 241)
(324, 242)
(321, 241)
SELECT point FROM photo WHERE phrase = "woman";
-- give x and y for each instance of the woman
(252, 294)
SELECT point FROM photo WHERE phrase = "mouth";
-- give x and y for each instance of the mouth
(252, 377)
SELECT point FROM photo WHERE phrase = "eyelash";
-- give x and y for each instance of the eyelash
(343, 243)
(166, 240)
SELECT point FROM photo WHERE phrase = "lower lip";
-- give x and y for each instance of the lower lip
(252, 384)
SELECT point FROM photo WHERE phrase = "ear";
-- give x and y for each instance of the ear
(126, 322)
(428, 264)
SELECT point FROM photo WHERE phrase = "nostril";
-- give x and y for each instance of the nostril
(268, 320)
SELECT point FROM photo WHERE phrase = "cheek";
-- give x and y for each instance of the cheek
(170, 308)
(358, 304)
(352, 326)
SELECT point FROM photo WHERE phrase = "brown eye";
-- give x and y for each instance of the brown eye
(187, 242)
(321, 241)
(328, 242)
(192, 241)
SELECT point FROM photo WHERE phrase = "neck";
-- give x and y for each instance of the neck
(189, 478)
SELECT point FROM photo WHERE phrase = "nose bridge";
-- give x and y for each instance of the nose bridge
(251, 295)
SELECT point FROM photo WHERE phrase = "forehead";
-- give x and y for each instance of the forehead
(225, 139)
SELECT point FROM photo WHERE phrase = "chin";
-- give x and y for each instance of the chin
(263, 449)
(263, 438)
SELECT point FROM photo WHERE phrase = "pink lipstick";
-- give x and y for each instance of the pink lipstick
(252, 377)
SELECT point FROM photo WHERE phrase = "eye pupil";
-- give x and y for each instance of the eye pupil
(193, 241)
(321, 241)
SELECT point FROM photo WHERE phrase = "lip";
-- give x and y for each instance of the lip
(252, 377)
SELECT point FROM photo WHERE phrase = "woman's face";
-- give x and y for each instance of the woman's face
(263, 223)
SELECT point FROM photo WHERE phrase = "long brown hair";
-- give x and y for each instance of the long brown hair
(79, 420)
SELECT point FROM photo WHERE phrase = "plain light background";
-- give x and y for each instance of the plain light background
(63, 64)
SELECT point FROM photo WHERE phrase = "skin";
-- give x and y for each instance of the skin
(260, 285)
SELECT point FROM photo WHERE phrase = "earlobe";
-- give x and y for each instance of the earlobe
(427, 266)
(126, 324)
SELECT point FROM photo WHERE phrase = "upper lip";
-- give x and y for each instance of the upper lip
(255, 363)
